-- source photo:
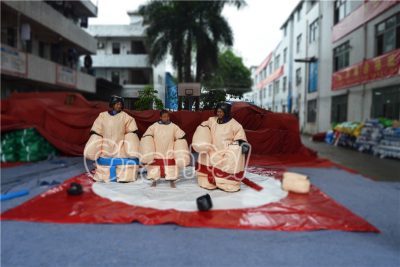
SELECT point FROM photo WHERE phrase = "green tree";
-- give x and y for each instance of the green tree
(147, 98)
(231, 75)
(210, 98)
(186, 29)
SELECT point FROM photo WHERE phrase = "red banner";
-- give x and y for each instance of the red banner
(278, 73)
(367, 11)
(385, 66)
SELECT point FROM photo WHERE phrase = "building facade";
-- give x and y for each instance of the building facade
(340, 62)
(122, 58)
(41, 42)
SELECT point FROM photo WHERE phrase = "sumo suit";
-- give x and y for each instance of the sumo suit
(114, 145)
(164, 149)
(220, 144)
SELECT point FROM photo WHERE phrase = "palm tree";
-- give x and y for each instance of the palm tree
(187, 28)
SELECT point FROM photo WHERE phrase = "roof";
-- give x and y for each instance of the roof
(127, 30)
(292, 13)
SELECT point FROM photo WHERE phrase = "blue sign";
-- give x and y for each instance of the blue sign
(171, 92)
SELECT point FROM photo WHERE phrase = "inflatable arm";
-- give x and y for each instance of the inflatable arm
(131, 139)
(181, 148)
(94, 144)
(147, 146)
(201, 141)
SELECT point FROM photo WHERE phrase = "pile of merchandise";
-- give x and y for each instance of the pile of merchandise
(378, 136)
(344, 134)
(25, 146)
(370, 135)
(389, 146)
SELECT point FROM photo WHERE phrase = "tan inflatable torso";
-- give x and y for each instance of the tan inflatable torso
(113, 130)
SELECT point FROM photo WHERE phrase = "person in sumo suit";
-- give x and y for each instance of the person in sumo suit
(114, 144)
(221, 143)
(163, 150)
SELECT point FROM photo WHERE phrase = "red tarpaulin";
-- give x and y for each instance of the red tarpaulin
(296, 212)
(65, 119)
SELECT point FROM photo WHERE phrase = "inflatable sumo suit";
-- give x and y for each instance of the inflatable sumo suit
(164, 149)
(221, 160)
(114, 145)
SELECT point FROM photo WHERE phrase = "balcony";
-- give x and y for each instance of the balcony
(121, 61)
(43, 14)
(27, 66)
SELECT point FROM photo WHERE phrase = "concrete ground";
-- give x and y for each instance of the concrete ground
(366, 164)
(46, 244)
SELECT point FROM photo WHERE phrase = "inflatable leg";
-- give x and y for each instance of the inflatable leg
(227, 185)
(171, 172)
(153, 172)
(102, 174)
(202, 181)
(127, 173)
(295, 182)
(202, 178)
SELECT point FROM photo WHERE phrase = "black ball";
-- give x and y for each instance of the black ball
(75, 189)
(204, 203)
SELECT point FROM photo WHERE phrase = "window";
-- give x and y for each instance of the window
(115, 77)
(276, 87)
(270, 90)
(299, 14)
(284, 55)
(137, 47)
(312, 110)
(298, 43)
(27, 46)
(339, 109)
(285, 30)
(298, 76)
(270, 67)
(387, 35)
(341, 10)
(100, 45)
(116, 48)
(313, 31)
(277, 61)
(11, 36)
(386, 103)
(284, 81)
(41, 49)
(341, 55)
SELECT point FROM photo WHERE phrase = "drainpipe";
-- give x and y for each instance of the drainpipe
(306, 80)
(320, 17)
(18, 31)
(364, 85)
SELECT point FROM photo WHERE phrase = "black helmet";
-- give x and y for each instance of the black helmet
(115, 99)
(226, 108)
